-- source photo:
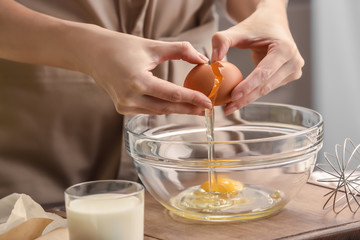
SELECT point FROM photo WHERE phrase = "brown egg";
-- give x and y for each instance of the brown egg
(202, 78)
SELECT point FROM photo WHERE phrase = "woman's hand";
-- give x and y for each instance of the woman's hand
(122, 67)
(266, 33)
(121, 64)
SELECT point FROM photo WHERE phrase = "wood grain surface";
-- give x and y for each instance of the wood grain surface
(302, 218)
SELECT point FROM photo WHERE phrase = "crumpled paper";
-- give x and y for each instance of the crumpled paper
(22, 218)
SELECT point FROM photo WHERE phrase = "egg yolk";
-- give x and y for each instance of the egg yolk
(223, 185)
(216, 68)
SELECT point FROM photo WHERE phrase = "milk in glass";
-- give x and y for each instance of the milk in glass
(106, 217)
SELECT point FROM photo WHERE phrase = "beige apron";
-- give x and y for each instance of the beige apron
(57, 128)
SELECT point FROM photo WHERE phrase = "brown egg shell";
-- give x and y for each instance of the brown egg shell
(201, 78)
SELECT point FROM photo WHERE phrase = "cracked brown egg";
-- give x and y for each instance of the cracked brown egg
(215, 81)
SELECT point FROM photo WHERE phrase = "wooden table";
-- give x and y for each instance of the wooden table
(302, 218)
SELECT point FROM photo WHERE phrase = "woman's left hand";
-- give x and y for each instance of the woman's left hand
(277, 59)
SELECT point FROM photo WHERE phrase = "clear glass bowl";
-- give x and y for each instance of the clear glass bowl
(263, 154)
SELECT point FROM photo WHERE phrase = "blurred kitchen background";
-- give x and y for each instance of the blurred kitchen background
(327, 33)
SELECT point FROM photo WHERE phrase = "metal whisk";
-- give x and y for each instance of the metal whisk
(345, 174)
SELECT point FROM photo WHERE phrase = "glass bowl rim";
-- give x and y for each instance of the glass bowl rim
(69, 189)
(318, 125)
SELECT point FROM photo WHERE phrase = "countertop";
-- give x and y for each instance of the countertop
(302, 218)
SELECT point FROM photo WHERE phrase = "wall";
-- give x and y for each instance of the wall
(336, 54)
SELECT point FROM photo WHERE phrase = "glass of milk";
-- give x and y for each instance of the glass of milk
(105, 210)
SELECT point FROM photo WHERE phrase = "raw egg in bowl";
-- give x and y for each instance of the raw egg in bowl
(262, 155)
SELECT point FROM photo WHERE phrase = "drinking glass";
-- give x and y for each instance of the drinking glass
(105, 210)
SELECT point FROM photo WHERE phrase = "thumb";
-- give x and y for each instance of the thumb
(179, 50)
(220, 46)
(222, 41)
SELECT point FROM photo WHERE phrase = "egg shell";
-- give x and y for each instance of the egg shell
(201, 78)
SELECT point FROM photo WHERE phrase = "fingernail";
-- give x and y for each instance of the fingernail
(204, 58)
(208, 104)
(237, 97)
(214, 55)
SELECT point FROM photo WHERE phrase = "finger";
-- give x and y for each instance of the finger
(222, 41)
(151, 105)
(281, 78)
(160, 106)
(171, 92)
(133, 110)
(178, 50)
(220, 46)
(265, 70)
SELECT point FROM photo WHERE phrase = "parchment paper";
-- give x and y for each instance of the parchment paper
(24, 219)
